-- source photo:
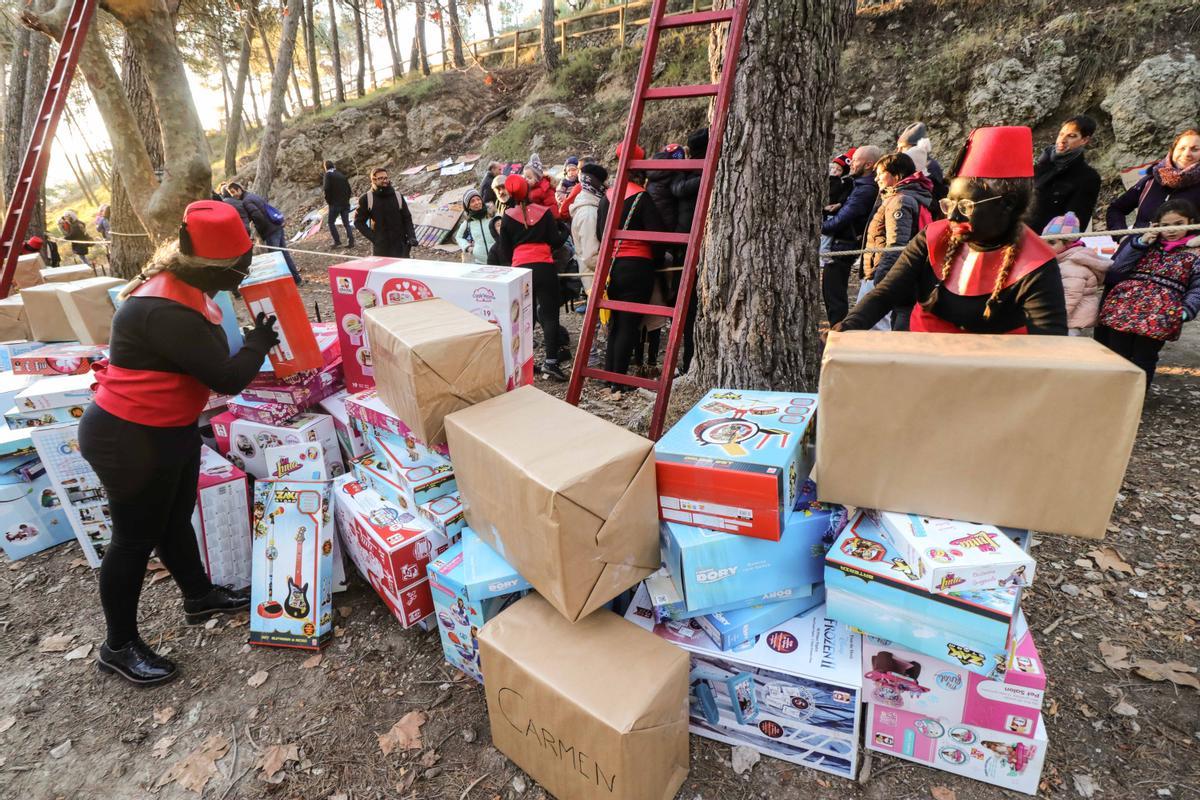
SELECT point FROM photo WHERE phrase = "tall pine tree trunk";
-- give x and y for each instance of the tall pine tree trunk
(310, 48)
(549, 47)
(14, 110)
(360, 72)
(339, 87)
(129, 253)
(441, 20)
(759, 286)
(239, 95)
(456, 37)
(262, 34)
(389, 30)
(268, 150)
(422, 49)
(487, 15)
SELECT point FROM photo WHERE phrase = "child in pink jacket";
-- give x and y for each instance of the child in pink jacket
(1083, 272)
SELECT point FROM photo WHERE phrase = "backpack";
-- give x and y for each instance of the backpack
(924, 217)
(274, 214)
(601, 217)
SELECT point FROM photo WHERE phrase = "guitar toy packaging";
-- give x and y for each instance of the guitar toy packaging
(291, 590)
(735, 462)
(270, 289)
(222, 521)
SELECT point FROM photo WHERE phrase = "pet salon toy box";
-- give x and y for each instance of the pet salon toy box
(471, 584)
(713, 568)
(501, 295)
(222, 521)
(794, 695)
(32, 518)
(953, 556)
(390, 546)
(868, 586)
(247, 440)
(1000, 758)
(900, 678)
(668, 602)
(291, 591)
(735, 461)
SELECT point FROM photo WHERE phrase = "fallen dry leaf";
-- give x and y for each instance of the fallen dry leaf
(1174, 671)
(163, 746)
(405, 734)
(312, 662)
(56, 643)
(943, 793)
(7, 723)
(164, 715)
(275, 757)
(429, 758)
(83, 651)
(196, 769)
(1157, 605)
(1114, 655)
(1108, 558)
(159, 576)
(1085, 786)
(258, 679)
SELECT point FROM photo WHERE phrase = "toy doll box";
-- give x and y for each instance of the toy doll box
(794, 695)
(32, 518)
(270, 289)
(900, 678)
(58, 359)
(354, 444)
(446, 514)
(668, 603)
(311, 390)
(291, 592)
(735, 461)
(248, 440)
(501, 295)
(999, 758)
(47, 416)
(953, 556)
(222, 521)
(368, 410)
(471, 584)
(407, 475)
(60, 391)
(730, 629)
(712, 568)
(869, 587)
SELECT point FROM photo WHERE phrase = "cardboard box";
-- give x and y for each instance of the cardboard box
(270, 288)
(948, 555)
(368, 410)
(60, 391)
(59, 359)
(222, 521)
(249, 440)
(16, 445)
(869, 587)
(432, 359)
(729, 629)
(470, 584)
(221, 424)
(999, 758)
(48, 320)
(794, 695)
(291, 592)
(89, 309)
(32, 518)
(307, 393)
(565, 497)
(446, 514)
(80, 491)
(1039, 438)
(593, 709)
(21, 420)
(502, 296)
(13, 324)
(668, 602)
(69, 273)
(900, 678)
(351, 440)
(15, 348)
(711, 568)
(29, 271)
(735, 461)
(406, 473)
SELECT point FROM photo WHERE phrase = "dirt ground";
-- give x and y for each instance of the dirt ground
(67, 731)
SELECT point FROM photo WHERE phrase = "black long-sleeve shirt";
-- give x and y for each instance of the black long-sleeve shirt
(1034, 301)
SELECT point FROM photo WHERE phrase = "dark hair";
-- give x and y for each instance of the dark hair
(328, 164)
(1184, 208)
(1084, 124)
(235, 185)
(899, 164)
(1017, 192)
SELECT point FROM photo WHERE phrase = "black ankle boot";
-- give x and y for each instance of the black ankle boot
(136, 663)
(220, 600)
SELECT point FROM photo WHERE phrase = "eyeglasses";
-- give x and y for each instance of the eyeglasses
(965, 207)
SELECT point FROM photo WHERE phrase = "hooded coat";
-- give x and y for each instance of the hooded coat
(1083, 271)
(895, 222)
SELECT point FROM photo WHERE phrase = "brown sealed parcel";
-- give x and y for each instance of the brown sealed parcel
(1023, 431)
(89, 308)
(433, 358)
(597, 709)
(565, 497)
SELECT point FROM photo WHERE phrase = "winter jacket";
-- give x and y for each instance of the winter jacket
(1154, 290)
(76, 232)
(1083, 271)
(485, 188)
(528, 235)
(895, 222)
(839, 189)
(1060, 187)
(848, 224)
(239, 207)
(564, 208)
(1145, 197)
(686, 189)
(565, 187)
(384, 220)
(337, 189)
(475, 234)
(542, 193)
(585, 232)
(658, 184)
(256, 210)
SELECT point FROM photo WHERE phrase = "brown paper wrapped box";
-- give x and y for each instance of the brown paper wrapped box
(29, 271)
(13, 323)
(597, 709)
(48, 320)
(89, 309)
(433, 358)
(567, 498)
(1023, 431)
(74, 272)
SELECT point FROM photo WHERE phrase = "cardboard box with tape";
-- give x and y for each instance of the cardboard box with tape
(67, 274)
(13, 323)
(88, 308)
(29, 271)
(48, 320)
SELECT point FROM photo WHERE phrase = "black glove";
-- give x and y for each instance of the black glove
(262, 336)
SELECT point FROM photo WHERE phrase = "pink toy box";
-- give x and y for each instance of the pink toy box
(222, 521)
(310, 391)
(59, 359)
(368, 411)
(354, 444)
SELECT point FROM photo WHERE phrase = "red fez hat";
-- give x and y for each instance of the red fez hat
(638, 152)
(213, 230)
(35, 242)
(1002, 152)
(517, 187)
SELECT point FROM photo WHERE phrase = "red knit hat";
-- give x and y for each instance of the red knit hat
(35, 242)
(1003, 152)
(214, 231)
(638, 152)
(517, 187)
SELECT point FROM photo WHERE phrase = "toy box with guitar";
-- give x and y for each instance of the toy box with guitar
(222, 521)
(735, 461)
(270, 289)
(291, 591)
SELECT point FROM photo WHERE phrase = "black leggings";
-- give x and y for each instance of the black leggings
(150, 476)
(547, 298)
(1141, 350)
(631, 280)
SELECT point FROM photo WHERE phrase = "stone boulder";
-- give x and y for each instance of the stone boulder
(1007, 92)
(1154, 102)
(430, 126)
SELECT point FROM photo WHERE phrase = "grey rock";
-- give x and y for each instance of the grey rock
(519, 784)
(61, 750)
(1154, 101)
(1007, 92)
(744, 759)
(1069, 589)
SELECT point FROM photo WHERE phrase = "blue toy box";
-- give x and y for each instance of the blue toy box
(668, 602)
(16, 348)
(869, 587)
(735, 461)
(730, 629)
(471, 584)
(32, 518)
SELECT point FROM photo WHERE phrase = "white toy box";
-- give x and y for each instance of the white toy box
(82, 494)
(248, 441)
(354, 444)
(222, 521)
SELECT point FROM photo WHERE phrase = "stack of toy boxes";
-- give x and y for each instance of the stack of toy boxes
(31, 515)
(270, 399)
(952, 675)
(51, 401)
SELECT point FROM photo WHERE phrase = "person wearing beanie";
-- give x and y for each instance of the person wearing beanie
(914, 142)
(541, 189)
(528, 236)
(840, 181)
(474, 235)
(167, 354)
(980, 270)
(1063, 181)
(570, 180)
(384, 220)
(1083, 270)
(588, 212)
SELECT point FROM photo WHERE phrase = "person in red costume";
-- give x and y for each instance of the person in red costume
(168, 352)
(980, 270)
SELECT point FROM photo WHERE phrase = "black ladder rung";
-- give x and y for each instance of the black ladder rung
(638, 308)
(696, 18)
(678, 92)
(674, 164)
(621, 378)
(653, 237)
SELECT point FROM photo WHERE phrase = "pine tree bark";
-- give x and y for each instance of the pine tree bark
(268, 149)
(129, 253)
(339, 86)
(14, 111)
(239, 98)
(360, 73)
(487, 15)
(389, 30)
(549, 48)
(422, 48)
(310, 47)
(456, 37)
(36, 80)
(759, 286)
(441, 21)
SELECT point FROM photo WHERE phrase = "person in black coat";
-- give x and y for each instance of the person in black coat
(384, 220)
(1062, 179)
(337, 197)
(485, 186)
(223, 195)
(271, 233)
(686, 189)
(846, 228)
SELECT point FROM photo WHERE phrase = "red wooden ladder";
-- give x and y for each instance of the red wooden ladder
(37, 156)
(660, 21)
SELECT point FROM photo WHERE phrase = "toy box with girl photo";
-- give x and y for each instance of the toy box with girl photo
(31, 516)
(84, 500)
